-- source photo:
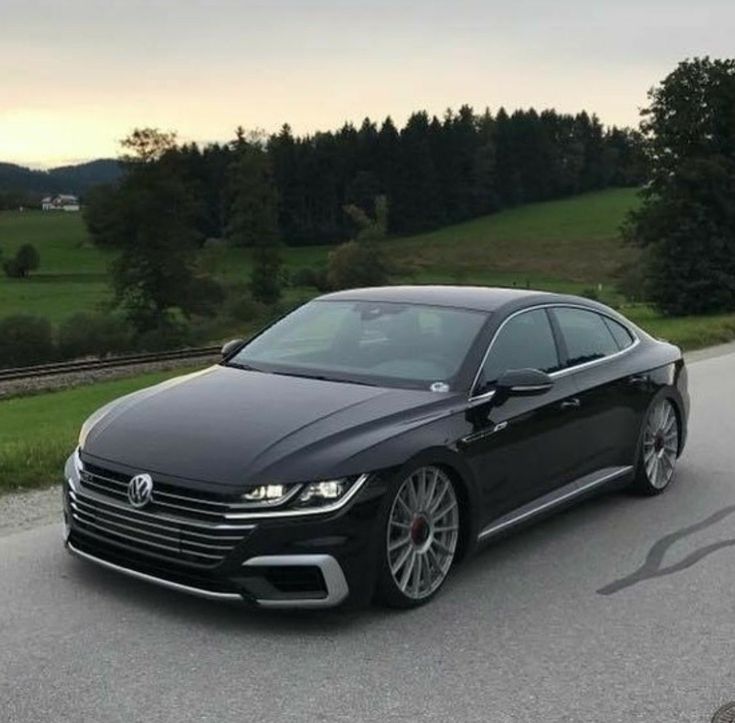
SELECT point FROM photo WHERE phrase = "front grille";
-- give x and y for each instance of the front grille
(127, 558)
(178, 524)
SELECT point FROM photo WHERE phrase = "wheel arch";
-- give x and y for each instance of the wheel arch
(452, 464)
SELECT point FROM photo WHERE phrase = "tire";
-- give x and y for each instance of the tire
(420, 538)
(659, 448)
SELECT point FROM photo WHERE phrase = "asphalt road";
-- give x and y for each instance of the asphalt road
(551, 624)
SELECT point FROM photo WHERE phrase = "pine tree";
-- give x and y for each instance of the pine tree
(254, 216)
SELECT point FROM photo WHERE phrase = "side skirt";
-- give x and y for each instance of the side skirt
(548, 502)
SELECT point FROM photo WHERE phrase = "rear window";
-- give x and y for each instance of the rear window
(586, 335)
(622, 336)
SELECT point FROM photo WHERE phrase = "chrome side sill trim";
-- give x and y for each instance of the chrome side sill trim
(557, 497)
(337, 589)
(198, 592)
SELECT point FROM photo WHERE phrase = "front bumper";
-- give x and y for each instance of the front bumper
(314, 561)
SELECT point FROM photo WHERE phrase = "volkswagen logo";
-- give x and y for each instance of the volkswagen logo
(140, 490)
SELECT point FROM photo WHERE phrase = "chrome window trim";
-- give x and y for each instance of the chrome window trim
(561, 372)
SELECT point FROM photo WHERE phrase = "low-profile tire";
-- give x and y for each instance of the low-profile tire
(420, 538)
(659, 449)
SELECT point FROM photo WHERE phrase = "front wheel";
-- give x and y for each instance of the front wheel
(420, 538)
(659, 449)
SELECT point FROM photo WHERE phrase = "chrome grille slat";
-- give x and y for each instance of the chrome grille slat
(104, 528)
(178, 539)
(93, 515)
(171, 519)
(220, 507)
(198, 532)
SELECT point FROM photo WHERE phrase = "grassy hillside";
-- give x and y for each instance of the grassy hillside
(575, 240)
(563, 245)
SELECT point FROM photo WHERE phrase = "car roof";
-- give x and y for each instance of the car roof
(480, 298)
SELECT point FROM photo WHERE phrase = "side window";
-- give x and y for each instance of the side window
(621, 334)
(586, 334)
(525, 342)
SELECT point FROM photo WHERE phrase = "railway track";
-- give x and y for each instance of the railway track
(85, 365)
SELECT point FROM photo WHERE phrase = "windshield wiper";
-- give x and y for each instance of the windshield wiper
(238, 365)
(323, 378)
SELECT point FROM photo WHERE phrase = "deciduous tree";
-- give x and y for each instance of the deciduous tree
(687, 221)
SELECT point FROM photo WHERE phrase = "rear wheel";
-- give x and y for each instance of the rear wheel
(420, 538)
(659, 450)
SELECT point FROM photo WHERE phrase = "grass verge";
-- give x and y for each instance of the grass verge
(37, 433)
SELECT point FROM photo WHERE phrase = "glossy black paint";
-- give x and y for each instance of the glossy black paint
(225, 429)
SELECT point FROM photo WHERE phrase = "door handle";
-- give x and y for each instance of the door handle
(572, 403)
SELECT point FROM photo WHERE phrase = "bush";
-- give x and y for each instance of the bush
(174, 333)
(93, 334)
(314, 276)
(206, 296)
(27, 259)
(242, 307)
(12, 269)
(265, 276)
(355, 264)
(632, 282)
(25, 340)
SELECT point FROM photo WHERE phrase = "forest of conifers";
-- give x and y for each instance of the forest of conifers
(434, 171)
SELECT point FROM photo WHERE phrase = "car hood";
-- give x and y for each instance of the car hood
(234, 427)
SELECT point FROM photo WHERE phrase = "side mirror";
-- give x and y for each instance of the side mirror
(231, 346)
(524, 383)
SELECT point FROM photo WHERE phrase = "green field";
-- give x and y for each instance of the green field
(38, 432)
(564, 245)
(572, 246)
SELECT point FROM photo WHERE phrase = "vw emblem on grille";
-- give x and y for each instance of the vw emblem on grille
(140, 490)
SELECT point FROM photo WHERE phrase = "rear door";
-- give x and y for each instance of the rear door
(612, 396)
(521, 448)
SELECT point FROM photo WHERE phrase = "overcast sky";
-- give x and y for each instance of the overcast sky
(77, 75)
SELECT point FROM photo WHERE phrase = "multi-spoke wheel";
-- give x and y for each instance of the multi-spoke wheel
(421, 536)
(660, 448)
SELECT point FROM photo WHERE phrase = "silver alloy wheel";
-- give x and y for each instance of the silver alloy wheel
(661, 444)
(423, 530)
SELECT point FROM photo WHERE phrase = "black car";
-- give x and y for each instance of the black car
(370, 440)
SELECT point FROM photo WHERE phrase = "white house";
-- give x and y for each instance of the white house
(62, 202)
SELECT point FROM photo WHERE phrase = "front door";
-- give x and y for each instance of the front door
(522, 447)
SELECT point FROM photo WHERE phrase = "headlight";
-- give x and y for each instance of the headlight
(316, 492)
(310, 494)
(265, 493)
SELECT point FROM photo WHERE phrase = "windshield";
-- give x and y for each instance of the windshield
(370, 342)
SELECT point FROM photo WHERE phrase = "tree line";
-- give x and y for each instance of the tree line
(432, 172)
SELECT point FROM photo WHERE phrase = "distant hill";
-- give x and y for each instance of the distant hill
(65, 179)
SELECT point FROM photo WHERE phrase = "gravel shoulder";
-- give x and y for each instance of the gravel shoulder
(23, 510)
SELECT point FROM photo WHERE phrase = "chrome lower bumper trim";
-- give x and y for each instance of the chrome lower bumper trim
(199, 592)
(334, 579)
